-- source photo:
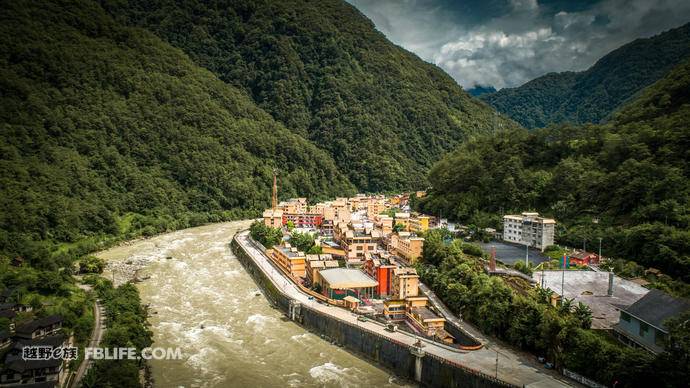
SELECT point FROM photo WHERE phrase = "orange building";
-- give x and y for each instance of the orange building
(290, 259)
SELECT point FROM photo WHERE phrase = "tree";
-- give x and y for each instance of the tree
(302, 241)
(566, 305)
(91, 264)
(584, 314)
(267, 236)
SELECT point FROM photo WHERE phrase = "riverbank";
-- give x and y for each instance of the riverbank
(204, 302)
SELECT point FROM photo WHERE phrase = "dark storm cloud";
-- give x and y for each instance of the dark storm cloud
(504, 43)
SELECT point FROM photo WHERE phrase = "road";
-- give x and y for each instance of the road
(512, 368)
(96, 336)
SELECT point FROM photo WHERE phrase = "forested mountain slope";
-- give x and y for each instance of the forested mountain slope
(592, 95)
(107, 129)
(631, 174)
(322, 69)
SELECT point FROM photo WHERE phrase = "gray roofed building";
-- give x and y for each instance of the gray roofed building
(656, 307)
(643, 323)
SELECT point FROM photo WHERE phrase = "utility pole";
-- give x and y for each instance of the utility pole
(563, 279)
(600, 249)
(496, 364)
(274, 196)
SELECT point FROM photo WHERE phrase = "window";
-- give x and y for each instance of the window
(625, 316)
(660, 339)
(644, 328)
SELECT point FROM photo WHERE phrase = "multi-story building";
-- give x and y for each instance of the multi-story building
(529, 229)
(380, 268)
(375, 207)
(419, 223)
(405, 283)
(384, 223)
(273, 218)
(403, 219)
(406, 245)
(290, 259)
(356, 239)
(303, 220)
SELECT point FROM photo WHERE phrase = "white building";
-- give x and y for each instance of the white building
(529, 229)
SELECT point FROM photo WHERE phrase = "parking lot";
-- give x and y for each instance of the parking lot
(509, 254)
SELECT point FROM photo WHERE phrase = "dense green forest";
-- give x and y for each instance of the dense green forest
(591, 96)
(323, 70)
(107, 130)
(523, 317)
(627, 181)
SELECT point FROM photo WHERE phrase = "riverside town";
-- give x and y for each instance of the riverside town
(344, 193)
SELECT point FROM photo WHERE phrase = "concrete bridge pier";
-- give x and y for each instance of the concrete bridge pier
(417, 351)
(294, 310)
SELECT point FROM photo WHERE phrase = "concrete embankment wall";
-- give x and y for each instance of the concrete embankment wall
(392, 355)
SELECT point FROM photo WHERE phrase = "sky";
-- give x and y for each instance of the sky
(505, 43)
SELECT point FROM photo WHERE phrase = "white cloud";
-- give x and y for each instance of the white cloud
(525, 41)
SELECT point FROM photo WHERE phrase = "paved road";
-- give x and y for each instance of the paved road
(96, 336)
(511, 367)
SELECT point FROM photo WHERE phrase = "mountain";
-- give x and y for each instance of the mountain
(592, 95)
(631, 174)
(108, 130)
(478, 90)
(324, 71)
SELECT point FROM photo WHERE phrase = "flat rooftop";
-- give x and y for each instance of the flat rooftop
(343, 278)
(590, 288)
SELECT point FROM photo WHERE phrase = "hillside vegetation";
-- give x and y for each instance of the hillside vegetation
(323, 70)
(627, 181)
(591, 96)
(107, 130)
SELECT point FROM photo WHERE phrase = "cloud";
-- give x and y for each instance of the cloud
(505, 43)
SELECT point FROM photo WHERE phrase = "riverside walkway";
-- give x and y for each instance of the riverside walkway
(512, 368)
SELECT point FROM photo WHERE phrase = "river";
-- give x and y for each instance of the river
(207, 305)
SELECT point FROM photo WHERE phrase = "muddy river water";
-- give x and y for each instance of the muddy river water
(205, 303)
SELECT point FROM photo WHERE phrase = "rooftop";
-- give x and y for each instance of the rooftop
(341, 278)
(39, 323)
(656, 307)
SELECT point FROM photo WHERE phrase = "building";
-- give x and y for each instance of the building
(405, 283)
(381, 269)
(394, 309)
(290, 260)
(273, 218)
(316, 263)
(5, 339)
(32, 373)
(332, 248)
(384, 223)
(642, 324)
(40, 327)
(529, 229)
(337, 283)
(403, 219)
(406, 245)
(375, 207)
(580, 257)
(303, 220)
(356, 239)
(419, 224)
